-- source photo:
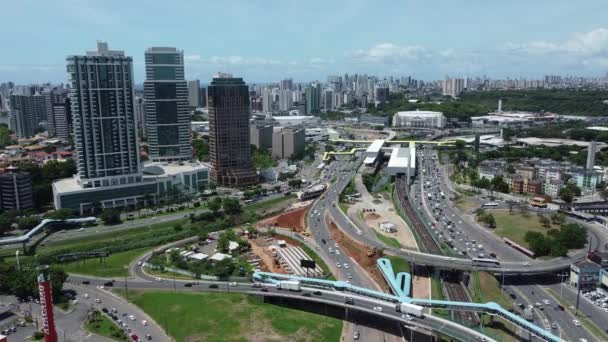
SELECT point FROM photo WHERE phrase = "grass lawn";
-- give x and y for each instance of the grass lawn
(465, 204)
(436, 293)
(399, 264)
(387, 240)
(111, 266)
(103, 326)
(270, 204)
(515, 226)
(232, 317)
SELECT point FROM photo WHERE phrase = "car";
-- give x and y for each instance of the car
(306, 294)
(148, 337)
(318, 293)
(407, 316)
(139, 263)
(512, 295)
(554, 325)
(134, 337)
(356, 335)
(378, 308)
(188, 285)
(97, 300)
(561, 307)
(104, 310)
(338, 265)
(158, 279)
(576, 323)
(264, 289)
(213, 286)
(346, 265)
(131, 317)
(108, 283)
(144, 322)
(546, 301)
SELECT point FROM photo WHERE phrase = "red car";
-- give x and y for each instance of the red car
(134, 337)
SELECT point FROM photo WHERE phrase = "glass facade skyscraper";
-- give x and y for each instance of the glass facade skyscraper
(166, 103)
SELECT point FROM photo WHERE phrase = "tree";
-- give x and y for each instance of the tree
(538, 243)
(604, 194)
(572, 235)
(224, 268)
(231, 205)
(566, 195)
(110, 217)
(215, 204)
(558, 218)
(60, 214)
(459, 144)
(544, 221)
(498, 184)
(295, 183)
(491, 221)
(28, 222)
(5, 223)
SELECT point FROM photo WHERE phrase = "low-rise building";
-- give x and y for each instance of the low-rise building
(261, 135)
(419, 118)
(584, 275)
(533, 186)
(551, 187)
(387, 227)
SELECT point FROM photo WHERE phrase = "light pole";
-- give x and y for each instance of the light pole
(17, 257)
(561, 285)
(125, 267)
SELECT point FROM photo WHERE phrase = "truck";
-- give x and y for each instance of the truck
(411, 309)
(291, 285)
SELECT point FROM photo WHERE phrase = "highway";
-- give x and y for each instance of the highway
(334, 298)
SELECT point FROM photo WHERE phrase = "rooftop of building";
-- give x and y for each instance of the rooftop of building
(400, 157)
(375, 146)
(586, 265)
(164, 169)
(551, 142)
(419, 113)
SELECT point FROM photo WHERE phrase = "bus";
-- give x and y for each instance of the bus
(489, 205)
(486, 262)
(538, 202)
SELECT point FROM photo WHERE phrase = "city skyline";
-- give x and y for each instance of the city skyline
(517, 40)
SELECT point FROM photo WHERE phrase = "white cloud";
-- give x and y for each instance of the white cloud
(590, 43)
(390, 53)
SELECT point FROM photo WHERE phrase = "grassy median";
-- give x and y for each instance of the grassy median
(112, 266)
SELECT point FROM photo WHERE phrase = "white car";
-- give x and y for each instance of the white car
(545, 301)
(338, 265)
(346, 265)
(131, 317)
(576, 323)
(378, 308)
(97, 300)
(144, 322)
(86, 296)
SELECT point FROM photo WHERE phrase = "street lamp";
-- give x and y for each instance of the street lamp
(125, 268)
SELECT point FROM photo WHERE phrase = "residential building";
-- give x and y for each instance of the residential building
(328, 99)
(600, 258)
(419, 118)
(533, 186)
(452, 86)
(194, 93)
(16, 190)
(167, 114)
(287, 142)
(229, 150)
(267, 101)
(526, 172)
(140, 116)
(27, 112)
(312, 94)
(286, 84)
(105, 133)
(285, 100)
(551, 187)
(515, 182)
(261, 135)
(591, 150)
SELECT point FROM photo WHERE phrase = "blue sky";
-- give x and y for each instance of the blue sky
(266, 40)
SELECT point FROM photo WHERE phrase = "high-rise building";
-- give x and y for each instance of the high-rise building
(287, 142)
(267, 100)
(16, 190)
(261, 135)
(229, 136)
(194, 93)
(61, 121)
(452, 86)
(285, 100)
(313, 98)
(140, 116)
(381, 95)
(167, 114)
(27, 112)
(105, 133)
(286, 84)
(328, 99)
(591, 150)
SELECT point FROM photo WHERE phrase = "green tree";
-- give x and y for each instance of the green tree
(544, 221)
(201, 149)
(215, 204)
(110, 216)
(231, 205)
(558, 218)
(5, 223)
(5, 136)
(28, 222)
(566, 194)
(295, 183)
(572, 236)
(60, 214)
(224, 268)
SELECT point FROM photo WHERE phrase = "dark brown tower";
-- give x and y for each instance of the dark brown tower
(229, 149)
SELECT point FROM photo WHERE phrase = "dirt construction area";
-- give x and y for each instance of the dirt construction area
(293, 219)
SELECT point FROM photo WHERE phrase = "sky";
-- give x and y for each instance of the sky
(267, 40)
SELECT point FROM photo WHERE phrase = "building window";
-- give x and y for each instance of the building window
(164, 73)
(164, 59)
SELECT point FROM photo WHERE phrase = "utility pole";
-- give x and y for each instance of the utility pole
(17, 257)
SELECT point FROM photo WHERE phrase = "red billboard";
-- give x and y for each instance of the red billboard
(46, 304)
